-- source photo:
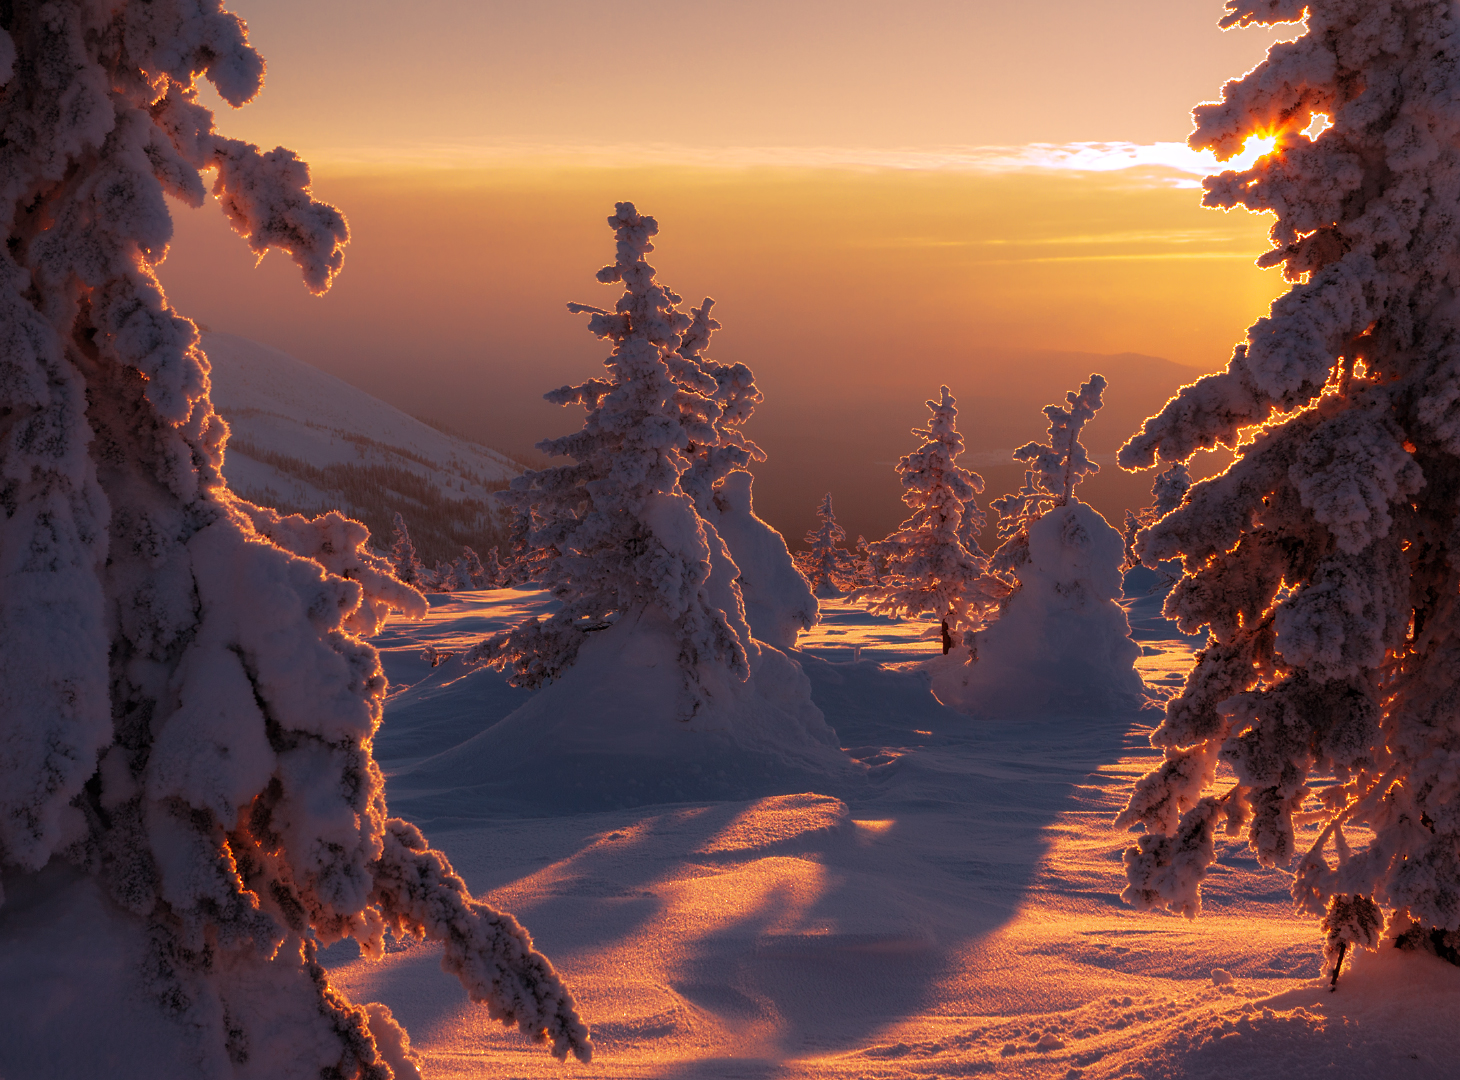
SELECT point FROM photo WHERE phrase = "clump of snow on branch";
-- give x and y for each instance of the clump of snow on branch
(187, 706)
(1326, 560)
(927, 565)
(1061, 642)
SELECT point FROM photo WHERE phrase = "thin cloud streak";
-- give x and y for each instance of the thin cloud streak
(1168, 157)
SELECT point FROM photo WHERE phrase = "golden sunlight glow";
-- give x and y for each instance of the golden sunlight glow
(1254, 149)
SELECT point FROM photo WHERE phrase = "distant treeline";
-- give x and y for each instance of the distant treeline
(374, 493)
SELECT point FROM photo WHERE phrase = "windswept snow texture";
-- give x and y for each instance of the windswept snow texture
(304, 441)
(948, 908)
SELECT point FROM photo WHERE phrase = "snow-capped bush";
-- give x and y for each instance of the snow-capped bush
(1326, 559)
(829, 570)
(925, 566)
(186, 706)
(1061, 642)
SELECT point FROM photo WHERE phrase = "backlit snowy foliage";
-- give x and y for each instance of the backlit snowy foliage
(1326, 560)
(623, 530)
(927, 565)
(1061, 643)
(829, 569)
(1169, 488)
(186, 706)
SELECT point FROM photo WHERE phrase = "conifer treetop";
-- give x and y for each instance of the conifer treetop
(1060, 464)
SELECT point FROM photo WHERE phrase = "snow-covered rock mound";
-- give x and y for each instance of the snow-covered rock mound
(608, 734)
(305, 441)
(1062, 645)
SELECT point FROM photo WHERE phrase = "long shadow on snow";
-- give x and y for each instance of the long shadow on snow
(953, 815)
(959, 812)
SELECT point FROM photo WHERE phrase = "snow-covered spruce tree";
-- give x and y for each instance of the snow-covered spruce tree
(652, 684)
(828, 569)
(187, 794)
(616, 532)
(1061, 643)
(403, 556)
(1326, 559)
(469, 571)
(925, 565)
(496, 574)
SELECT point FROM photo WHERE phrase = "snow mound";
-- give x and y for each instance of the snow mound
(1062, 645)
(778, 602)
(1381, 1022)
(607, 735)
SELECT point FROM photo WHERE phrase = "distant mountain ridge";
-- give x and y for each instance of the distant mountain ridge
(305, 442)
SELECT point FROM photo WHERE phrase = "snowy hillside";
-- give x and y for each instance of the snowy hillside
(303, 440)
(948, 908)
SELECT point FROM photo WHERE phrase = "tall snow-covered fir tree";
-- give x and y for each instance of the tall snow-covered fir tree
(651, 660)
(1326, 560)
(926, 566)
(403, 556)
(614, 533)
(1061, 642)
(186, 704)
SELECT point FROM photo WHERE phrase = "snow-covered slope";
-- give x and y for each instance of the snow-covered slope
(949, 909)
(303, 440)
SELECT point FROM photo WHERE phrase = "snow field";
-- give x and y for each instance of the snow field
(947, 907)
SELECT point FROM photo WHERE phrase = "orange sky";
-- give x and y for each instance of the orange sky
(371, 78)
(859, 256)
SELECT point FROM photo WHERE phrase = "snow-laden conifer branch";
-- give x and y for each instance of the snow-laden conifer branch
(419, 894)
(186, 705)
(1324, 560)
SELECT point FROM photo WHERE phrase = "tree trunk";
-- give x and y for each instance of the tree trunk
(947, 638)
